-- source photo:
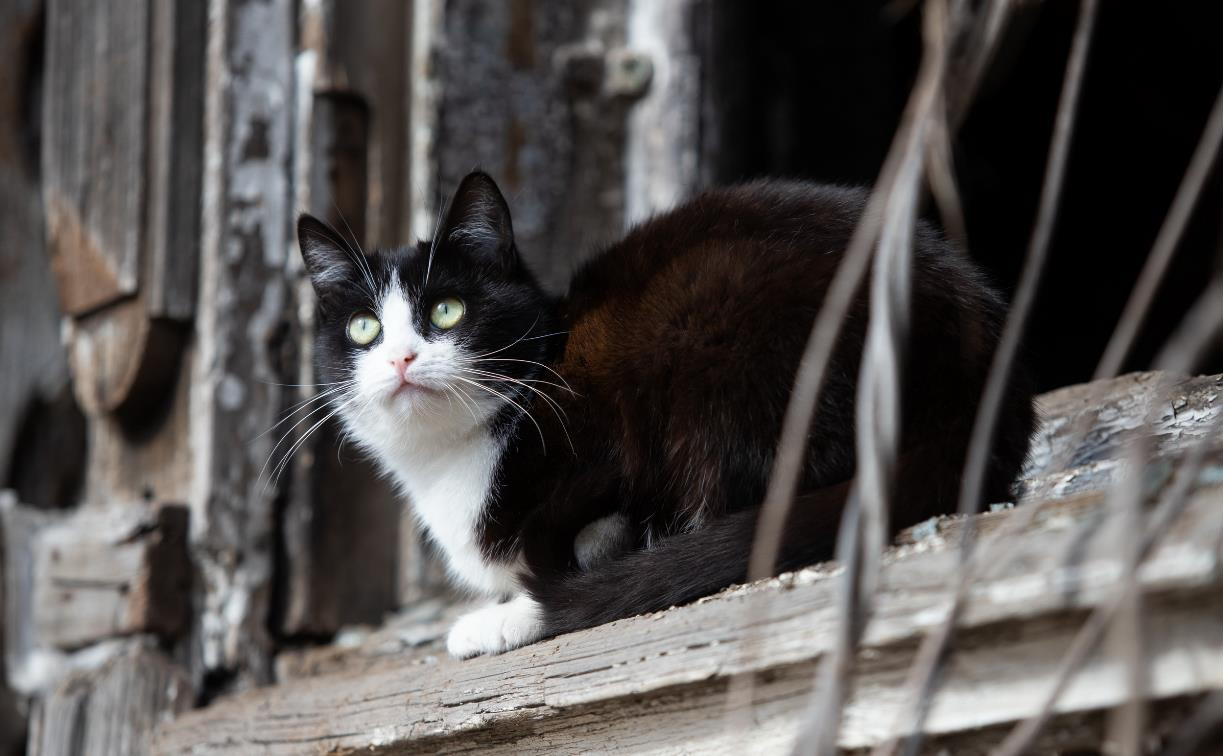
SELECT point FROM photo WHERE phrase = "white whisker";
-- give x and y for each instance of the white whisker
(521, 409)
(559, 377)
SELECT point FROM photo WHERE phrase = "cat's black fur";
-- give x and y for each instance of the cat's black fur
(679, 346)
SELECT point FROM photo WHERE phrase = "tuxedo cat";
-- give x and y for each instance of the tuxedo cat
(605, 453)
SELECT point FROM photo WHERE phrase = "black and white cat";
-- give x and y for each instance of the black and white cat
(604, 454)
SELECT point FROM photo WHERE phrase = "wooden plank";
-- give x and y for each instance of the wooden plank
(244, 344)
(93, 574)
(111, 710)
(124, 109)
(496, 92)
(664, 131)
(94, 142)
(1015, 629)
(176, 155)
(420, 631)
(1115, 413)
(105, 573)
(35, 395)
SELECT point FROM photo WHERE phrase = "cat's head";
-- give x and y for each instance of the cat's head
(423, 342)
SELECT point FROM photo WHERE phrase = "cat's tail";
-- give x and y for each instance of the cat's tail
(684, 567)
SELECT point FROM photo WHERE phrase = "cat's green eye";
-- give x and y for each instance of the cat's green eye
(446, 313)
(363, 328)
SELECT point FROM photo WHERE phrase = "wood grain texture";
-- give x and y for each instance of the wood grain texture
(243, 338)
(82, 577)
(657, 683)
(95, 128)
(35, 366)
(111, 710)
(499, 90)
(121, 159)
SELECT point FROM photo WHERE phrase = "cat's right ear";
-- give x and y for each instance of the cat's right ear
(329, 259)
(478, 219)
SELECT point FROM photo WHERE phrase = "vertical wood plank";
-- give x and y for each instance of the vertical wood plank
(243, 337)
(662, 152)
(94, 148)
(113, 710)
(176, 126)
(505, 102)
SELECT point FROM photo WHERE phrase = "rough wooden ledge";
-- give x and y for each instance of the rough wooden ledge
(661, 679)
(658, 683)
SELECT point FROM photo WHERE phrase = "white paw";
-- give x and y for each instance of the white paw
(495, 628)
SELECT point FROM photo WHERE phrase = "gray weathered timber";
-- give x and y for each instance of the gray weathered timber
(78, 578)
(666, 673)
(662, 152)
(1114, 414)
(111, 710)
(657, 683)
(95, 127)
(236, 393)
(123, 109)
(100, 574)
(521, 89)
(36, 383)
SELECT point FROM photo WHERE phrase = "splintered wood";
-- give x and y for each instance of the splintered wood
(658, 683)
(95, 574)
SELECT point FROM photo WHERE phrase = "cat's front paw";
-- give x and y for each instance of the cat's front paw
(495, 628)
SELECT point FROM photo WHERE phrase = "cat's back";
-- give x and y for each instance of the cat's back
(731, 271)
(764, 222)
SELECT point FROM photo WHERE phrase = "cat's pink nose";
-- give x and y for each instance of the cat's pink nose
(401, 365)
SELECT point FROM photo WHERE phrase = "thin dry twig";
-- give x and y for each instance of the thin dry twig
(877, 405)
(934, 647)
(1197, 331)
(1165, 244)
(808, 383)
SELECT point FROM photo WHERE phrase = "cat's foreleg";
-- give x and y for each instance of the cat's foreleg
(496, 628)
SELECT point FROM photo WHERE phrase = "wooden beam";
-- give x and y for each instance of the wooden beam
(660, 681)
(83, 577)
(244, 335)
(110, 710)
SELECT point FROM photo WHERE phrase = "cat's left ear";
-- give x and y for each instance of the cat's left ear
(479, 221)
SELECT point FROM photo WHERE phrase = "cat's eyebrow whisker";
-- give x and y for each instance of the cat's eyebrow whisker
(521, 409)
(359, 258)
(437, 229)
(363, 260)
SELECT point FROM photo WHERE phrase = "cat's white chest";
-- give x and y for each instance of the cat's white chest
(448, 487)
